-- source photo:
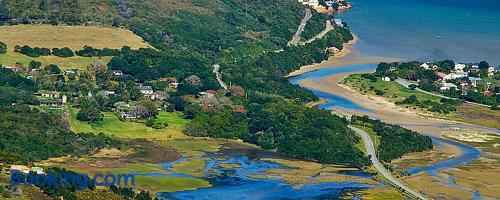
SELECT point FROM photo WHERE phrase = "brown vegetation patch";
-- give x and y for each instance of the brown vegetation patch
(140, 152)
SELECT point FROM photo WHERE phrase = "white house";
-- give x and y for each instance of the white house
(491, 71)
(474, 81)
(116, 72)
(338, 22)
(455, 75)
(146, 90)
(387, 79)
(425, 66)
(459, 67)
(448, 86)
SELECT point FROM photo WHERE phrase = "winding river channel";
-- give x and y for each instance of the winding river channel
(337, 102)
(334, 101)
(241, 181)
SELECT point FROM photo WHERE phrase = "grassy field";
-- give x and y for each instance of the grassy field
(394, 92)
(302, 173)
(191, 147)
(477, 115)
(193, 167)
(111, 125)
(74, 37)
(75, 62)
(169, 184)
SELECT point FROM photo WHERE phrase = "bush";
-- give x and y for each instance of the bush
(379, 92)
(64, 52)
(409, 100)
(89, 111)
(53, 69)
(3, 48)
(370, 77)
(160, 125)
(32, 52)
(149, 122)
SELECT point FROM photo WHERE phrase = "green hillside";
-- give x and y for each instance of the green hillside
(247, 38)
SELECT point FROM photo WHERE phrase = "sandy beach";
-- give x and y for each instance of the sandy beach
(383, 109)
(347, 56)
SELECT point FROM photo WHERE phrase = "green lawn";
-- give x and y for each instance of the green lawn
(169, 184)
(393, 91)
(195, 146)
(111, 125)
(193, 167)
(75, 62)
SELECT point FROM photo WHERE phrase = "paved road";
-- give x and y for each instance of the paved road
(406, 84)
(328, 28)
(380, 168)
(302, 26)
(218, 76)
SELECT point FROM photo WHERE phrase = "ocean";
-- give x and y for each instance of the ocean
(427, 30)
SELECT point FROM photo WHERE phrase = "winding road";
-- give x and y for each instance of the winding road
(380, 168)
(328, 28)
(296, 38)
(218, 76)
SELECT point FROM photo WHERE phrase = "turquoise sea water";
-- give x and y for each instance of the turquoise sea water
(463, 30)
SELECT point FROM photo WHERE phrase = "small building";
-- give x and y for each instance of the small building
(455, 75)
(441, 75)
(20, 168)
(487, 93)
(106, 92)
(116, 72)
(387, 79)
(146, 90)
(51, 102)
(129, 115)
(16, 68)
(338, 22)
(491, 71)
(459, 67)
(69, 72)
(448, 86)
(173, 85)
(48, 94)
(425, 66)
(239, 109)
(474, 81)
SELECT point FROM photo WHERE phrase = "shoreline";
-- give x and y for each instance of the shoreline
(381, 108)
(347, 56)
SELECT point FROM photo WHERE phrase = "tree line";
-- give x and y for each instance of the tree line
(395, 141)
(64, 52)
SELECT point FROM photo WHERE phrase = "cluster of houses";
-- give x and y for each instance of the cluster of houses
(207, 99)
(461, 72)
(51, 98)
(326, 5)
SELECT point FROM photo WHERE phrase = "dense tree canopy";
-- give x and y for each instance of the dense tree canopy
(395, 141)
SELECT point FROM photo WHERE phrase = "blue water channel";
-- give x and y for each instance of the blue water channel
(469, 153)
(236, 183)
(333, 100)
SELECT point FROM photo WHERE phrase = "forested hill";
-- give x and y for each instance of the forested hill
(248, 38)
(203, 27)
